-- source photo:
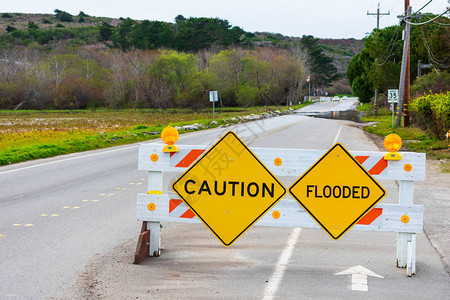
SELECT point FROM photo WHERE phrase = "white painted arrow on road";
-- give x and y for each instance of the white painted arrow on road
(359, 277)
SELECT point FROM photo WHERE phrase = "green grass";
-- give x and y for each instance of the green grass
(413, 138)
(27, 135)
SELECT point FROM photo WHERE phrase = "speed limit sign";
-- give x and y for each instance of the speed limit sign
(392, 96)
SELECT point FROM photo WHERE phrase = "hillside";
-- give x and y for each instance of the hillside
(71, 57)
(48, 21)
(341, 50)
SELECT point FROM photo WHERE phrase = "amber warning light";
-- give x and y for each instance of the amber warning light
(392, 143)
(170, 136)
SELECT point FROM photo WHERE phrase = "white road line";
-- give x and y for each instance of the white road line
(67, 159)
(337, 135)
(280, 269)
(182, 136)
(84, 156)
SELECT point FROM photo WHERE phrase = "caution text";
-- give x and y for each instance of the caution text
(230, 188)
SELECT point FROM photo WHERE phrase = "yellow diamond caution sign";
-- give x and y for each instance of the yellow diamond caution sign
(337, 191)
(229, 188)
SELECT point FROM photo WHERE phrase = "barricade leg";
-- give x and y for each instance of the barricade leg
(155, 238)
(142, 248)
(406, 242)
(402, 248)
(155, 182)
(406, 252)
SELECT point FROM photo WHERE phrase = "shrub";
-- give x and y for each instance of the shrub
(432, 113)
(82, 14)
(10, 28)
(6, 16)
(432, 82)
(63, 16)
(32, 26)
(247, 95)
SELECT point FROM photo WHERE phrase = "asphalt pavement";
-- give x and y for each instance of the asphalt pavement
(68, 230)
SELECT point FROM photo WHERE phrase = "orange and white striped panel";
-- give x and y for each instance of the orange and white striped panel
(177, 209)
(185, 157)
(383, 217)
(370, 216)
(375, 165)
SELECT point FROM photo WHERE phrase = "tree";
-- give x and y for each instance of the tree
(358, 76)
(32, 26)
(225, 69)
(10, 29)
(323, 71)
(82, 14)
(105, 31)
(254, 83)
(378, 64)
(73, 82)
(194, 34)
(122, 35)
(179, 18)
(63, 16)
(178, 73)
(152, 35)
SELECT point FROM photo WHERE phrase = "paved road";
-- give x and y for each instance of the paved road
(68, 231)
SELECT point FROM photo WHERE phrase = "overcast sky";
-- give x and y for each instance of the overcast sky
(320, 18)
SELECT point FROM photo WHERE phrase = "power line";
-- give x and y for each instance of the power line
(395, 35)
(423, 23)
(424, 6)
(443, 24)
(431, 56)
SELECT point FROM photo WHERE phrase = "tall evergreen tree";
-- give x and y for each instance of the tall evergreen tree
(323, 71)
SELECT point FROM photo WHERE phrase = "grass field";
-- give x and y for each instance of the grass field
(413, 138)
(27, 135)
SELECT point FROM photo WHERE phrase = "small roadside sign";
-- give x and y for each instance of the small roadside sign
(337, 191)
(229, 188)
(393, 96)
(213, 96)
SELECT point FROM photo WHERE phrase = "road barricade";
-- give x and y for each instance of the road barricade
(160, 204)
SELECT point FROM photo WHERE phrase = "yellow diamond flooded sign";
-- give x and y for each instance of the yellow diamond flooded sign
(337, 191)
(229, 188)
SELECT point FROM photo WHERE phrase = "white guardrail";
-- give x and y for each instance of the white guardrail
(163, 205)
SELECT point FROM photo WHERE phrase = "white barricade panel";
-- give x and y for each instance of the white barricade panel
(286, 213)
(404, 218)
(294, 162)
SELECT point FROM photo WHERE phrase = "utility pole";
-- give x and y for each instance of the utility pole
(403, 78)
(406, 95)
(378, 14)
